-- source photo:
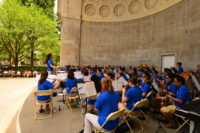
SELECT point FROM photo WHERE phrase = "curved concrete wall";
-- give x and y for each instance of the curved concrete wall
(175, 30)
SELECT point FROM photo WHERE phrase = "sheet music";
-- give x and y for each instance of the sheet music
(127, 76)
(61, 72)
(81, 88)
(155, 85)
(50, 78)
(62, 76)
(86, 78)
(117, 85)
(196, 82)
(78, 75)
(90, 89)
(87, 89)
(122, 81)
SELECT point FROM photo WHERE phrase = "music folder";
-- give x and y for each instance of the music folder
(87, 89)
(155, 86)
(62, 76)
(196, 82)
(122, 81)
(117, 85)
(78, 75)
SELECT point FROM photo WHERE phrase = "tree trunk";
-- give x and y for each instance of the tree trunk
(32, 56)
(16, 60)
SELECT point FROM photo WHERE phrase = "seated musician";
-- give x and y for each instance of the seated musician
(100, 74)
(132, 95)
(112, 72)
(169, 87)
(146, 84)
(97, 84)
(154, 73)
(85, 75)
(122, 73)
(167, 71)
(179, 67)
(106, 103)
(198, 68)
(182, 97)
(70, 82)
(44, 84)
(92, 71)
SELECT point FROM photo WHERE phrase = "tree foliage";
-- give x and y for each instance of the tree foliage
(46, 5)
(25, 29)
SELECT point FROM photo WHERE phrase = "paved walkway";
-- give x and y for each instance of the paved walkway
(13, 92)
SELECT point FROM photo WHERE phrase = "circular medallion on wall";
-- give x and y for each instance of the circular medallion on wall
(104, 11)
(119, 10)
(150, 3)
(134, 7)
(90, 10)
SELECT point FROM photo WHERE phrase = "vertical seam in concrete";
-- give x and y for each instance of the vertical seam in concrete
(80, 33)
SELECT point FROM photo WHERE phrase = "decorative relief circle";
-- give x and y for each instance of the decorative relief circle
(150, 3)
(104, 11)
(119, 10)
(90, 10)
(134, 7)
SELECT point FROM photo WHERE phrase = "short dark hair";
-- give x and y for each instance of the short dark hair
(133, 80)
(179, 63)
(70, 74)
(180, 79)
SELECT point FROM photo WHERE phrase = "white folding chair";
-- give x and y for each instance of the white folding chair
(72, 96)
(112, 116)
(39, 103)
(135, 114)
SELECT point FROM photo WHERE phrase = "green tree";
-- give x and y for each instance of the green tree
(46, 5)
(25, 29)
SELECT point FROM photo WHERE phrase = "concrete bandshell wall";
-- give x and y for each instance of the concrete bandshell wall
(175, 30)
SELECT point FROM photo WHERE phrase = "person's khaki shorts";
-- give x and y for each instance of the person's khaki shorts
(168, 109)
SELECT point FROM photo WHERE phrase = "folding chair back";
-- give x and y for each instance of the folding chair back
(43, 93)
(149, 94)
(136, 114)
(39, 103)
(72, 96)
(140, 104)
(115, 115)
(112, 116)
(74, 90)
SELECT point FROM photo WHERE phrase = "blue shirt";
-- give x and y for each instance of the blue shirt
(106, 104)
(172, 88)
(133, 95)
(198, 71)
(124, 76)
(113, 74)
(163, 78)
(180, 69)
(44, 86)
(93, 73)
(49, 63)
(182, 93)
(146, 88)
(70, 83)
(100, 76)
(154, 76)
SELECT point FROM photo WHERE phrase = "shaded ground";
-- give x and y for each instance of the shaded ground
(63, 121)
